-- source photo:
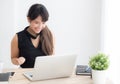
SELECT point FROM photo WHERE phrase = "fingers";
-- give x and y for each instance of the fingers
(21, 60)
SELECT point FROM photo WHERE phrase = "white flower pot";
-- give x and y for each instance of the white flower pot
(99, 76)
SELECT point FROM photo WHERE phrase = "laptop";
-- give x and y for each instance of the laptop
(49, 67)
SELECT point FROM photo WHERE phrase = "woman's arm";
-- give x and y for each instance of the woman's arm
(15, 52)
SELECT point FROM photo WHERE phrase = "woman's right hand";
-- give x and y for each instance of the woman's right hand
(21, 60)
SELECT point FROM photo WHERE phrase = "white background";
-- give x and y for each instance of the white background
(75, 24)
(111, 36)
(83, 27)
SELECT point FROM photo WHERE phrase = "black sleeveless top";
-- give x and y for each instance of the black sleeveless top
(27, 49)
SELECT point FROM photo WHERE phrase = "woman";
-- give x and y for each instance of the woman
(35, 40)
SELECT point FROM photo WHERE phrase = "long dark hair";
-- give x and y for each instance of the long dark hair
(46, 37)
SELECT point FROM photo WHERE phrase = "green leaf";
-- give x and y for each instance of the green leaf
(99, 62)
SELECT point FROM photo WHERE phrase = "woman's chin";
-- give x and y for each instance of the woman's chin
(37, 32)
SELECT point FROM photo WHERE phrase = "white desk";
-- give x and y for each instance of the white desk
(19, 78)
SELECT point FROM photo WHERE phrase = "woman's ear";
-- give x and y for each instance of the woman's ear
(29, 20)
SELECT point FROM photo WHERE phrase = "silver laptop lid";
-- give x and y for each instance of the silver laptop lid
(47, 67)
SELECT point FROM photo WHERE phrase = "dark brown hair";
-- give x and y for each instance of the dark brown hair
(36, 10)
(46, 37)
(47, 41)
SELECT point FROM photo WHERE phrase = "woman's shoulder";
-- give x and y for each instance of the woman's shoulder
(15, 39)
(20, 32)
(19, 37)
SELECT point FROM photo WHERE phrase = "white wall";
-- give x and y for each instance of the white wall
(111, 40)
(75, 23)
(6, 30)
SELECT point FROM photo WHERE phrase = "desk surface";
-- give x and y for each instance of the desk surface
(19, 78)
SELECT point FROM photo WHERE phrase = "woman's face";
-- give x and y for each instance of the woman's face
(37, 24)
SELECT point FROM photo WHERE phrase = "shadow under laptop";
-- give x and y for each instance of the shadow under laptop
(60, 80)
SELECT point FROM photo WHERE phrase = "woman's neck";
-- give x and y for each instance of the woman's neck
(32, 32)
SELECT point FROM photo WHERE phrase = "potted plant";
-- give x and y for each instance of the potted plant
(99, 64)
